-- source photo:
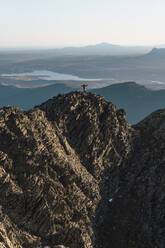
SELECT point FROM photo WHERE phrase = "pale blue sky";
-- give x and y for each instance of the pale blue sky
(81, 22)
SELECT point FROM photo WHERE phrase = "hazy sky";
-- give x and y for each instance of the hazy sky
(81, 22)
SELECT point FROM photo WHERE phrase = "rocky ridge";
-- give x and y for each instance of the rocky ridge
(73, 173)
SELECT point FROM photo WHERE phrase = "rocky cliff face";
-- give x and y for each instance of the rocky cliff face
(74, 173)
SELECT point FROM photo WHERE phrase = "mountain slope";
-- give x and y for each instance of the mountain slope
(73, 172)
(58, 191)
(136, 216)
(50, 181)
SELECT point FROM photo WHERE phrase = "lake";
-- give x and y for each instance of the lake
(48, 75)
(31, 79)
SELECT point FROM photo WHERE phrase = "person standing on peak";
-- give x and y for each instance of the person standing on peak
(84, 87)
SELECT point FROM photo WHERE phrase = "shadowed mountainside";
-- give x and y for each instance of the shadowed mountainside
(74, 173)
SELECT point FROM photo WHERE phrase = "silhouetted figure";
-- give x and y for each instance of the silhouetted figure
(84, 86)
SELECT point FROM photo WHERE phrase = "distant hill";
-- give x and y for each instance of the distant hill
(103, 49)
(8, 91)
(135, 99)
(28, 98)
(156, 53)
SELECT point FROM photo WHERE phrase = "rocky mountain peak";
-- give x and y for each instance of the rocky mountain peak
(74, 173)
(90, 124)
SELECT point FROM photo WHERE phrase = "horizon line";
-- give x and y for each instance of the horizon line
(64, 46)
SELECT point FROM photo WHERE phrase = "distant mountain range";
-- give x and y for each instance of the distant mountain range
(96, 49)
(135, 99)
(149, 66)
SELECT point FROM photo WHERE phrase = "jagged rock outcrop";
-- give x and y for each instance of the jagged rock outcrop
(93, 127)
(50, 178)
(74, 174)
